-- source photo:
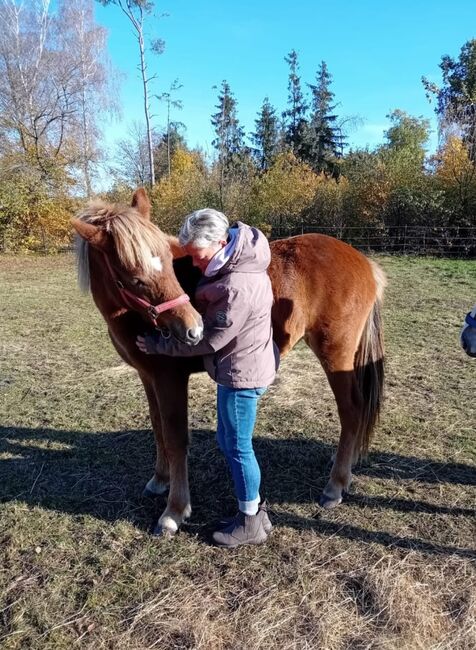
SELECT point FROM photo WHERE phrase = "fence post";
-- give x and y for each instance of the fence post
(404, 239)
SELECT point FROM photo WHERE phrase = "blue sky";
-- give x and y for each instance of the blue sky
(376, 52)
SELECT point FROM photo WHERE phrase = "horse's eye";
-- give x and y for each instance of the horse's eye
(137, 282)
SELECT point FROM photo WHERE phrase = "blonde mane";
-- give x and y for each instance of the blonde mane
(136, 239)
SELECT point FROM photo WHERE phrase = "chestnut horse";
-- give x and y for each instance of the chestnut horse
(326, 293)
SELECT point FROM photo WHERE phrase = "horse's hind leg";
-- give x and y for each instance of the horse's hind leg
(159, 483)
(337, 359)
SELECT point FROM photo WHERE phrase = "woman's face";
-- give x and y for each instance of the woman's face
(202, 256)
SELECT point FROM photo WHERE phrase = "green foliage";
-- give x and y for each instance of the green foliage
(34, 215)
(412, 206)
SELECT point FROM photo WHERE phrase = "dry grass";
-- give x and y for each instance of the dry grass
(393, 567)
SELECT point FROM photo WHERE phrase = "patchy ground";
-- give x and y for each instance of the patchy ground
(393, 567)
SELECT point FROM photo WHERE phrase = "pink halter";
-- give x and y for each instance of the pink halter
(137, 303)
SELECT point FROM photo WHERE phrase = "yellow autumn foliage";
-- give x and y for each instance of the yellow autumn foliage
(182, 192)
(285, 190)
(328, 207)
(454, 168)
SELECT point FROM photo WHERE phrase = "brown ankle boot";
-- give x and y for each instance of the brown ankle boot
(224, 522)
(244, 529)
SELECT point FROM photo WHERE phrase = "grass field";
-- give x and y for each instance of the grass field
(392, 568)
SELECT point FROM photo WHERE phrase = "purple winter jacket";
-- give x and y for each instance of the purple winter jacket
(235, 304)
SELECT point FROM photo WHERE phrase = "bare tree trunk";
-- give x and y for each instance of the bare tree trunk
(168, 136)
(143, 69)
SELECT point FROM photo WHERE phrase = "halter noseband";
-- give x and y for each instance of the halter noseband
(135, 302)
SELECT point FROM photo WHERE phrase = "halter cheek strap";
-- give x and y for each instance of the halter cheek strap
(140, 304)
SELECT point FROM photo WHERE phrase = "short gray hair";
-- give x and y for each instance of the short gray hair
(204, 227)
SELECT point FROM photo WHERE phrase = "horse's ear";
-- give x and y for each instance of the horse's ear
(141, 202)
(94, 235)
(175, 246)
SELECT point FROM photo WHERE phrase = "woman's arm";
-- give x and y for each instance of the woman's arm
(223, 321)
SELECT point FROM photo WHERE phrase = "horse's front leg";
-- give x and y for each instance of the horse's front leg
(172, 397)
(159, 483)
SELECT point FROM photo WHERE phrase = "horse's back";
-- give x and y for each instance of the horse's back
(318, 279)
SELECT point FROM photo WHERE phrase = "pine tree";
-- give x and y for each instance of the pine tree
(295, 116)
(324, 142)
(230, 135)
(266, 136)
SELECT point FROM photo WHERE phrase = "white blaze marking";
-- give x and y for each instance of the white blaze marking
(157, 263)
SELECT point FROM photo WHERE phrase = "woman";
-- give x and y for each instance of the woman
(235, 298)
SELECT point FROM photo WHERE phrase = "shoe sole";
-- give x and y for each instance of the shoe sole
(253, 543)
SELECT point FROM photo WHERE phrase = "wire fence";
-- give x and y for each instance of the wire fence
(437, 241)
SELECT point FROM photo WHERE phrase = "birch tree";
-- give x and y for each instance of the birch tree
(136, 12)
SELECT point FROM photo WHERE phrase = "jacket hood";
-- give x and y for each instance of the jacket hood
(251, 253)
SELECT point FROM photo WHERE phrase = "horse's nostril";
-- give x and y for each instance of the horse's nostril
(194, 334)
(166, 333)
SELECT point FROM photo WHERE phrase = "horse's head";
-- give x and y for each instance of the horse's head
(122, 254)
(468, 334)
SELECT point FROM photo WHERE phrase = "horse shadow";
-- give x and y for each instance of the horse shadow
(102, 474)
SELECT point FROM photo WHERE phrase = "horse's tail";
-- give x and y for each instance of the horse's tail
(369, 366)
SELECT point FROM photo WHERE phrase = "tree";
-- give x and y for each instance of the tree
(52, 80)
(369, 186)
(404, 152)
(407, 132)
(132, 157)
(324, 141)
(266, 136)
(80, 34)
(42, 83)
(165, 146)
(284, 191)
(456, 175)
(229, 141)
(456, 98)
(171, 103)
(182, 192)
(295, 116)
(136, 12)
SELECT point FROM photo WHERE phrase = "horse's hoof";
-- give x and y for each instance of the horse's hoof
(166, 527)
(161, 531)
(329, 502)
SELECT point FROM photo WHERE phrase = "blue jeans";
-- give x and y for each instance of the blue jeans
(236, 416)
